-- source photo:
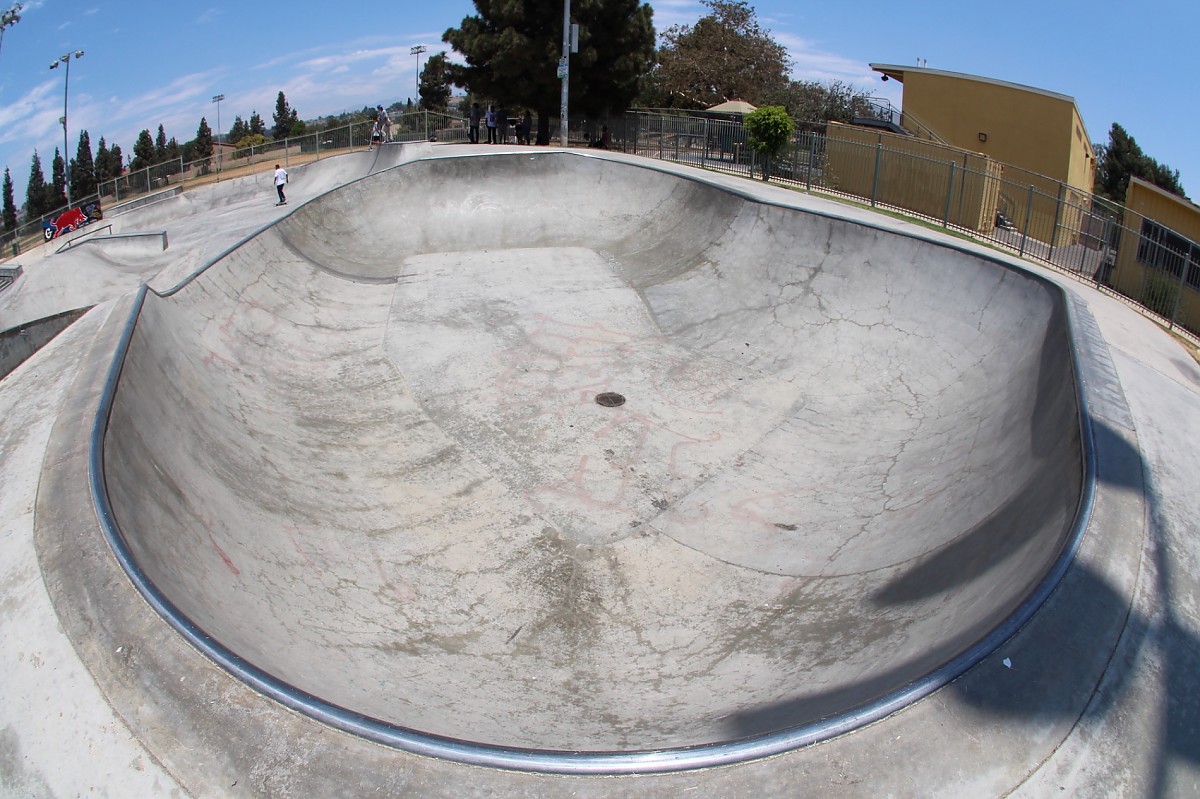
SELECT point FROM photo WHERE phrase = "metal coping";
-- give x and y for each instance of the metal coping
(587, 762)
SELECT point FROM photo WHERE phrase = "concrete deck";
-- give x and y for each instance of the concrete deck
(360, 453)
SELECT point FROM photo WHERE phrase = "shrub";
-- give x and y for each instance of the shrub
(1159, 292)
(769, 131)
(246, 142)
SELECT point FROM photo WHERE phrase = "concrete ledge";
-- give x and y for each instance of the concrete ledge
(8, 276)
(19, 343)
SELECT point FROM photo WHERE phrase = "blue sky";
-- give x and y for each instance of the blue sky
(148, 63)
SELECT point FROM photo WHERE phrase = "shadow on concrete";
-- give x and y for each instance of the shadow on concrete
(982, 548)
(1094, 607)
(1016, 523)
(1029, 534)
(1077, 660)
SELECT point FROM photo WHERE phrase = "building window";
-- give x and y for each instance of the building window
(1160, 247)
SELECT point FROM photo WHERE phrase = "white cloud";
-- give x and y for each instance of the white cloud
(328, 62)
(668, 13)
(812, 63)
(33, 118)
(185, 89)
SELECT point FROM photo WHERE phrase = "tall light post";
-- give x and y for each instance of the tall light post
(66, 59)
(570, 45)
(417, 51)
(217, 99)
(10, 18)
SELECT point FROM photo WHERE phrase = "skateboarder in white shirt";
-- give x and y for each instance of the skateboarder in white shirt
(281, 177)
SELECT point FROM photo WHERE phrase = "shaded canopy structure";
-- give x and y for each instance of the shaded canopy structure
(738, 107)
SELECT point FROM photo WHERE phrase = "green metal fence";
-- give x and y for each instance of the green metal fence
(1033, 216)
(1028, 214)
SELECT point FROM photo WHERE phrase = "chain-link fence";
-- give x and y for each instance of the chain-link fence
(224, 164)
(1034, 216)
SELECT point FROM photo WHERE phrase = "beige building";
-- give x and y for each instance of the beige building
(1037, 130)
(1158, 263)
(1037, 134)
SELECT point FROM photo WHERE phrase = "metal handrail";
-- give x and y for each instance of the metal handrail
(85, 234)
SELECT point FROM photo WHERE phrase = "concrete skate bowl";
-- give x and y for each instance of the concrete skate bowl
(361, 463)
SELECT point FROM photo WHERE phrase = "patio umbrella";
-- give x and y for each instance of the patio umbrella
(733, 107)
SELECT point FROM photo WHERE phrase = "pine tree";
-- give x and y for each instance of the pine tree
(435, 83)
(285, 117)
(237, 131)
(172, 156)
(143, 151)
(56, 189)
(10, 205)
(116, 162)
(35, 189)
(83, 169)
(512, 50)
(160, 146)
(104, 168)
(256, 125)
(202, 146)
(1122, 158)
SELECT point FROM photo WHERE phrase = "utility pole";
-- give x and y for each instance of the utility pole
(417, 50)
(217, 98)
(564, 72)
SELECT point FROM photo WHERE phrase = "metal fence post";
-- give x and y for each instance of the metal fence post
(1083, 250)
(1028, 221)
(1057, 220)
(949, 196)
(875, 178)
(1183, 270)
(811, 150)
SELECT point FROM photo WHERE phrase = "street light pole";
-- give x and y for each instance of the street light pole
(417, 51)
(10, 18)
(217, 99)
(66, 59)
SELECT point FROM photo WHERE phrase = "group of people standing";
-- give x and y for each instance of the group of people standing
(498, 124)
(381, 132)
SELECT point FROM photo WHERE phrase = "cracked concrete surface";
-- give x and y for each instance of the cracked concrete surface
(362, 451)
(366, 489)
